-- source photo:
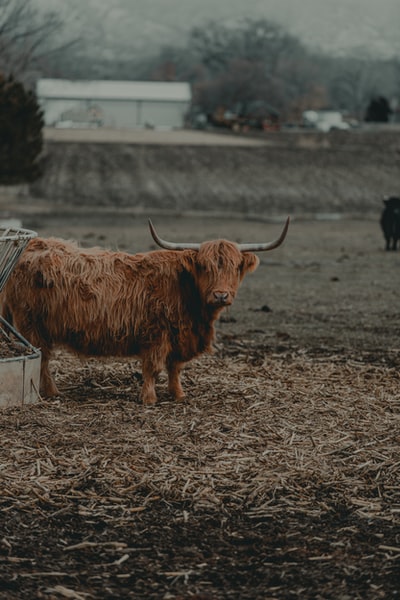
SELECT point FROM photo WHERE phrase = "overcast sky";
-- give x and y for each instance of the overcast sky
(343, 24)
(335, 25)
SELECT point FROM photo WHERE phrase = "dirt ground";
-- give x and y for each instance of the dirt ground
(99, 502)
(277, 478)
(298, 173)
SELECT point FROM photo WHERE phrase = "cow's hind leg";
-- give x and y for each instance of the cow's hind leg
(48, 386)
(174, 380)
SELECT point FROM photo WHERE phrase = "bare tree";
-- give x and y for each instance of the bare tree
(253, 61)
(354, 81)
(26, 38)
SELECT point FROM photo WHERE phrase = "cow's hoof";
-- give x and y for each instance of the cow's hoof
(149, 400)
(49, 391)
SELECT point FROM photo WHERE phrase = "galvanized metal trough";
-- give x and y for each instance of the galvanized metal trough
(20, 363)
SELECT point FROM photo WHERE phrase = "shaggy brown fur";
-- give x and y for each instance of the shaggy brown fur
(160, 306)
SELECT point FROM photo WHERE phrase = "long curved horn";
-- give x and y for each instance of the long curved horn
(170, 245)
(267, 246)
(242, 247)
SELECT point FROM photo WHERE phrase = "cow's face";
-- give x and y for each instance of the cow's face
(219, 269)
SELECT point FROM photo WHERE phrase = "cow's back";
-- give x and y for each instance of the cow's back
(61, 294)
(95, 301)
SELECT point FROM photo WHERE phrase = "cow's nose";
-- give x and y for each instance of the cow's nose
(221, 297)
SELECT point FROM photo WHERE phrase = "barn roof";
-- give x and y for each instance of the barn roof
(113, 90)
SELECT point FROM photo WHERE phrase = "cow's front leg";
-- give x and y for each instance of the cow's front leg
(47, 386)
(174, 380)
(150, 373)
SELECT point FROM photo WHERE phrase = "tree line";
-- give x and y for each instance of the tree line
(260, 61)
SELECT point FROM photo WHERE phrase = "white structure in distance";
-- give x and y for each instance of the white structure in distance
(114, 104)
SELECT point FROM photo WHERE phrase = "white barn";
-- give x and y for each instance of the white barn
(116, 104)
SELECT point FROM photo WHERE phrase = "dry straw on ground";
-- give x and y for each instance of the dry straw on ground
(267, 433)
(10, 346)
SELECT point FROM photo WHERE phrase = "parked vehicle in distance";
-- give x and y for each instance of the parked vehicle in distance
(324, 120)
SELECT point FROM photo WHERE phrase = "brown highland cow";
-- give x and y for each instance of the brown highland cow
(160, 306)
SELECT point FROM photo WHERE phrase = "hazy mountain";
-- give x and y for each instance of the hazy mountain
(338, 26)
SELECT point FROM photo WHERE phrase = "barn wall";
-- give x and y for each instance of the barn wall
(55, 109)
(115, 113)
(166, 114)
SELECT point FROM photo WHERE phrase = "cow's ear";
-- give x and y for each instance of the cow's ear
(188, 260)
(250, 262)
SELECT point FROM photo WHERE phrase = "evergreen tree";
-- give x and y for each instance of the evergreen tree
(21, 138)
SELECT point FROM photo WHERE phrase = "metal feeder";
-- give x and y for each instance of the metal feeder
(19, 374)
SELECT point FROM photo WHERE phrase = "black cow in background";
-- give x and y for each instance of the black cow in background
(390, 222)
(378, 110)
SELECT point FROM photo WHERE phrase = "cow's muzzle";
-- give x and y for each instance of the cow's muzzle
(220, 298)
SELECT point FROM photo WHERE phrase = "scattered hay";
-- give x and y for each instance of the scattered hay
(12, 346)
(266, 433)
